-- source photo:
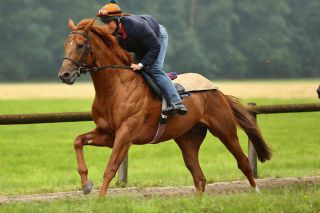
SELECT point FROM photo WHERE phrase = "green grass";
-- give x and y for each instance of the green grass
(298, 198)
(40, 158)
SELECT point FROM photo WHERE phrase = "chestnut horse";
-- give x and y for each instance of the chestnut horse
(126, 112)
(318, 91)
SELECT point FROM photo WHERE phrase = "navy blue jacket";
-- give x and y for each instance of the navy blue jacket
(142, 33)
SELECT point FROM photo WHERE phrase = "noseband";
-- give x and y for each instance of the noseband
(82, 65)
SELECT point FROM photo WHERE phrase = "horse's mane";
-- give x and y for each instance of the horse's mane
(109, 40)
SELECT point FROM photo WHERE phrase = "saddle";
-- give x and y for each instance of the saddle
(185, 84)
(158, 94)
(156, 89)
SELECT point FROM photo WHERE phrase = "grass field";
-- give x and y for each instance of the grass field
(40, 158)
(287, 89)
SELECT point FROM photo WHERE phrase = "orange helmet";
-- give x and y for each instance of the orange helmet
(110, 9)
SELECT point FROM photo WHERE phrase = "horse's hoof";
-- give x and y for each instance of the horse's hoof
(87, 188)
(199, 193)
(257, 189)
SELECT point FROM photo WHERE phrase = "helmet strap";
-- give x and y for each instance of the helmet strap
(117, 20)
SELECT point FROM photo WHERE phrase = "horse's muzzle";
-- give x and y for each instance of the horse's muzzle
(68, 77)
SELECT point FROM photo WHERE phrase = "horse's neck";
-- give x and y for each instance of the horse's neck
(109, 83)
(120, 83)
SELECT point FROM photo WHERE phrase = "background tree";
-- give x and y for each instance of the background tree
(217, 38)
(214, 28)
(264, 37)
(304, 22)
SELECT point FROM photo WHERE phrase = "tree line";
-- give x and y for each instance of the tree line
(221, 39)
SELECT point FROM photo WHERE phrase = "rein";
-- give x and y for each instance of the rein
(82, 66)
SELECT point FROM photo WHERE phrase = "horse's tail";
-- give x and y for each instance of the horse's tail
(250, 127)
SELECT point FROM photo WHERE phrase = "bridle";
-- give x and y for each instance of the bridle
(82, 65)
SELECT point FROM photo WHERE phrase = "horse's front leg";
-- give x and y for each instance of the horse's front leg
(94, 138)
(122, 143)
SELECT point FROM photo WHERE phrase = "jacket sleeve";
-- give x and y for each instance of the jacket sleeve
(150, 40)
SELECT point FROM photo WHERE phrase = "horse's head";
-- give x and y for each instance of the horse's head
(80, 57)
(78, 53)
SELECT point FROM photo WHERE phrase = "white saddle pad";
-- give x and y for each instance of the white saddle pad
(194, 82)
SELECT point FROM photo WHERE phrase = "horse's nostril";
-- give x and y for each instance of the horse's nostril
(66, 75)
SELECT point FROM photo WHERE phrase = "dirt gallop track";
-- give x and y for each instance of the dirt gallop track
(215, 188)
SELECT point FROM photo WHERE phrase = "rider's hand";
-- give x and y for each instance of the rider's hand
(136, 67)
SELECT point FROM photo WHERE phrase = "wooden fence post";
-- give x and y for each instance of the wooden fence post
(123, 173)
(252, 155)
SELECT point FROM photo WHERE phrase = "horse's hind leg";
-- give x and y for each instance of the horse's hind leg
(223, 126)
(232, 144)
(94, 138)
(189, 144)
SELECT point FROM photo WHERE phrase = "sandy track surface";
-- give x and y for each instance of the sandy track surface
(260, 89)
(215, 188)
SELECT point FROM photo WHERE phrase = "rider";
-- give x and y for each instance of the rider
(148, 40)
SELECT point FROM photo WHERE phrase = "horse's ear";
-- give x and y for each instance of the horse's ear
(89, 26)
(71, 25)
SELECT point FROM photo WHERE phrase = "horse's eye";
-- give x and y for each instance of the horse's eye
(79, 46)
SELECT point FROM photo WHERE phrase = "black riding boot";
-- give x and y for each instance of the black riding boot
(179, 109)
